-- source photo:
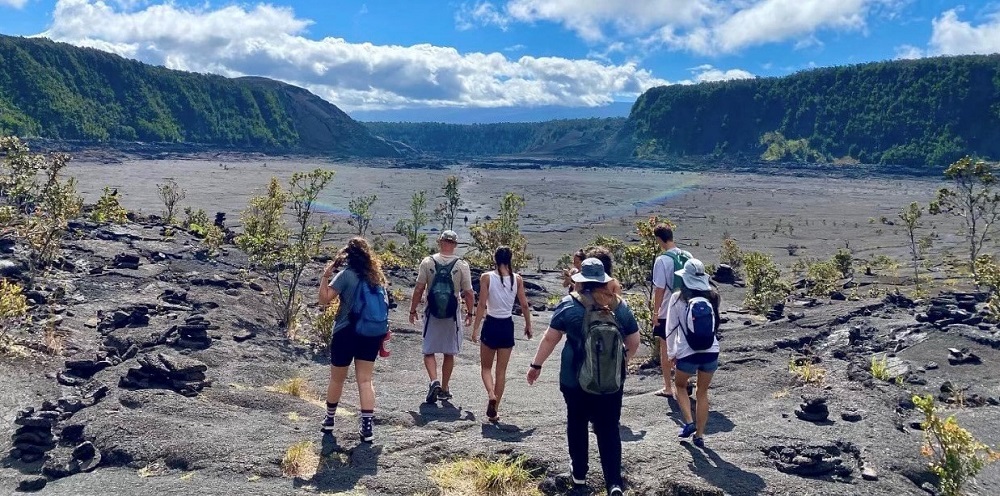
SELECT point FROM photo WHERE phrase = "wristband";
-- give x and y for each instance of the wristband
(536, 367)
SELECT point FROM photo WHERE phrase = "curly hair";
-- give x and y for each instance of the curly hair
(363, 261)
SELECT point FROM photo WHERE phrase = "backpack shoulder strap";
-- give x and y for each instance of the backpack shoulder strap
(451, 265)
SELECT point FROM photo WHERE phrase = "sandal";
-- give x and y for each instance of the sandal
(664, 393)
(699, 441)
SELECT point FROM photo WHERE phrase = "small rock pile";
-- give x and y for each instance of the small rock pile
(135, 316)
(194, 333)
(813, 409)
(809, 461)
(166, 371)
(962, 357)
(34, 437)
(64, 463)
(953, 308)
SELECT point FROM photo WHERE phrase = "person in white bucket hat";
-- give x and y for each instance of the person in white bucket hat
(692, 327)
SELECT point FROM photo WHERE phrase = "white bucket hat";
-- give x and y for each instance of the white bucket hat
(694, 275)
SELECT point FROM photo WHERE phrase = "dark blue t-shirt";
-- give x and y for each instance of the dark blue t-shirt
(568, 319)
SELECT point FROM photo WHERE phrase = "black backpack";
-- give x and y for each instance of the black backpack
(441, 302)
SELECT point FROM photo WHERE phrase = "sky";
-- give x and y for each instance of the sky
(391, 54)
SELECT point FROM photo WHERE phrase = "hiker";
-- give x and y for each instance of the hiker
(692, 326)
(604, 255)
(665, 282)
(602, 335)
(568, 273)
(360, 326)
(443, 278)
(497, 291)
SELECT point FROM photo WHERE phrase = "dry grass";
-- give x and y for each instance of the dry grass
(780, 394)
(300, 460)
(294, 416)
(480, 476)
(807, 372)
(53, 341)
(296, 386)
(152, 470)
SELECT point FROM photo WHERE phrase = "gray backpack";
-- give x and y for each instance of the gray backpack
(602, 359)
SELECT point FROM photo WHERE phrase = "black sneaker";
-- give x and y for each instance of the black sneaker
(328, 424)
(433, 391)
(367, 431)
(615, 491)
(444, 395)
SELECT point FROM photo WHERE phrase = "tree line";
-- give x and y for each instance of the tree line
(927, 112)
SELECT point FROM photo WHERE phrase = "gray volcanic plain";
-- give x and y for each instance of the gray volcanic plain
(170, 362)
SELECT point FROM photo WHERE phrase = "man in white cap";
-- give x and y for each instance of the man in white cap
(445, 279)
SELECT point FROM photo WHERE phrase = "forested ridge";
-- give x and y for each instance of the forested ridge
(556, 137)
(924, 112)
(59, 91)
(912, 112)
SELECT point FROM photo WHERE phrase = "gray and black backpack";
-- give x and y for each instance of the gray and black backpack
(602, 359)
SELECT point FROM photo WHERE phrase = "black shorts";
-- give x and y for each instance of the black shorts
(498, 333)
(347, 345)
(660, 329)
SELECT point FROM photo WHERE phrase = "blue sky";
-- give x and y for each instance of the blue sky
(370, 55)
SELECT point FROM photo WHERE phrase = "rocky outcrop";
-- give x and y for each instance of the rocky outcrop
(184, 375)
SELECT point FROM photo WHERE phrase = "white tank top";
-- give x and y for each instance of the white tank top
(500, 301)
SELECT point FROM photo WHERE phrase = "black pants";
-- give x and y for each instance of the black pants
(605, 412)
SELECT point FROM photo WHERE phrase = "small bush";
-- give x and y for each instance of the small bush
(764, 285)
(323, 324)
(732, 255)
(300, 460)
(214, 238)
(109, 208)
(806, 372)
(844, 260)
(507, 476)
(196, 221)
(170, 195)
(880, 368)
(956, 457)
(822, 278)
(13, 310)
(53, 341)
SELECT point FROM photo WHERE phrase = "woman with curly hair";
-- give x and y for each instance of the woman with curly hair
(346, 345)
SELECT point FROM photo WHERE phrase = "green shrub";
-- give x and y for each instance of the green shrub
(956, 456)
(170, 194)
(13, 309)
(844, 261)
(732, 255)
(764, 285)
(196, 221)
(504, 230)
(109, 209)
(822, 278)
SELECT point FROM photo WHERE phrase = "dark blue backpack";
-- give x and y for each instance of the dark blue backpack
(700, 326)
(370, 311)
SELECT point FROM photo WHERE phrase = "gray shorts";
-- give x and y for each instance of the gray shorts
(442, 336)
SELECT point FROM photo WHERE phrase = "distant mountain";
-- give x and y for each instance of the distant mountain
(451, 115)
(59, 91)
(907, 112)
(560, 138)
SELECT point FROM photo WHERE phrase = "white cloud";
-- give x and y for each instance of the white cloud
(485, 13)
(271, 41)
(706, 27)
(707, 73)
(952, 36)
(17, 4)
(909, 52)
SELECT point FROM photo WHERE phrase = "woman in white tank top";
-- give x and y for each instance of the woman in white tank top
(498, 290)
